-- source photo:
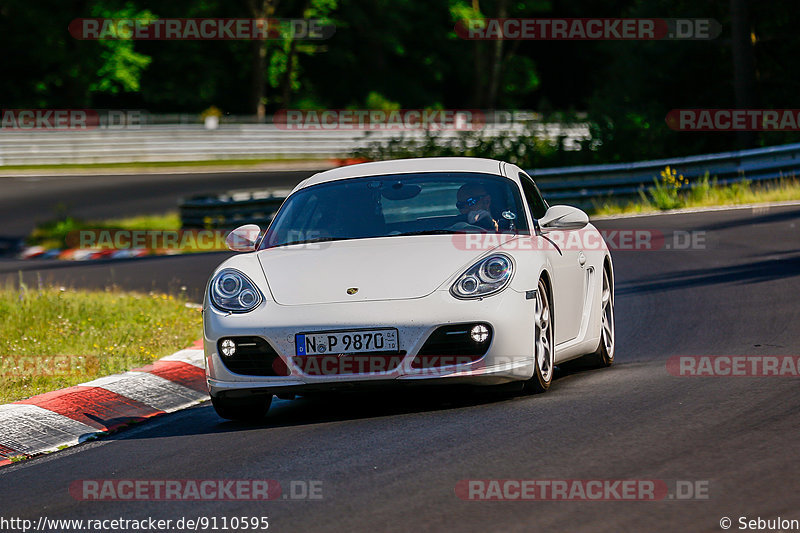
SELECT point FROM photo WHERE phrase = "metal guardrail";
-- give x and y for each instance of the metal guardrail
(231, 209)
(583, 186)
(580, 186)
(187, 142)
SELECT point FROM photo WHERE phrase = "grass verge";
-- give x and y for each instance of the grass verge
(674, 194)
(51, 338)
(54, 233)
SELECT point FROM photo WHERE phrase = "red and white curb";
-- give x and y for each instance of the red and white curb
(80, 254)
(67, 417)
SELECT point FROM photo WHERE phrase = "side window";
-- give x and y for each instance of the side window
(536, 203)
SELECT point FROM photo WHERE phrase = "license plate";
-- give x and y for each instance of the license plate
(346, 342)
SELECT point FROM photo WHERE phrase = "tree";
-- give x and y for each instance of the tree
(260, 9)
(744, 69)
(45, 66)
(500, 75)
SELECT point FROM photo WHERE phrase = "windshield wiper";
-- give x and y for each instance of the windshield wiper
(310, 241)
(451, 232)
(426, 232)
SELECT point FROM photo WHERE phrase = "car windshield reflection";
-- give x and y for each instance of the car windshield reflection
(435, 203)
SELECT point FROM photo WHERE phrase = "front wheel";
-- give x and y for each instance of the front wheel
(544, 346)
(250, 409)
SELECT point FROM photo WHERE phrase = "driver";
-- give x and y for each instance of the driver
(473, 201)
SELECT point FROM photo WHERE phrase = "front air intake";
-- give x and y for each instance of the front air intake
(250, 356)
(454, 344)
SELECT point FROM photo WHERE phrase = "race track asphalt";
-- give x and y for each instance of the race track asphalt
(391, 462)
(26, 201)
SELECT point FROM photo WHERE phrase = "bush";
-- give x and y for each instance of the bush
(666, 192)
(527, 150)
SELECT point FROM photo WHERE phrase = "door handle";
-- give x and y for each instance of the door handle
(582, 259)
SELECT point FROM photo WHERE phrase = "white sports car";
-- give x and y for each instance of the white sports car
(417, 271)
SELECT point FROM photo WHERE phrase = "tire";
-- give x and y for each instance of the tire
(544, 345)
(251, 409)
(604, 356)
(286, 396)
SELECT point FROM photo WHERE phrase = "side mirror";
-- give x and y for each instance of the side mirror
(563, 217)
(243, 238)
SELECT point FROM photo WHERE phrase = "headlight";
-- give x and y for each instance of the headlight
(487, 276)
(233, 291)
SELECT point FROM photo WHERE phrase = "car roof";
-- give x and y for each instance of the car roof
(405, 166)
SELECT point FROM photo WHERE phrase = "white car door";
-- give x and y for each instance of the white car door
(568, 260)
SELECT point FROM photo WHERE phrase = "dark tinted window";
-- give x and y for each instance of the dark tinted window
(535, 201)
(401, 204)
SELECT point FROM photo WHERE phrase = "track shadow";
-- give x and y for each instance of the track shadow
(780, 215)
(755, 272)
(338, 407)
(351, 406)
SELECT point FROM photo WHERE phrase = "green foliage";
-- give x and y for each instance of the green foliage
(463, 12)
(701, 189)
(521, 78)
(378, 101)
(526, 150)
(120, 66)
(666, 191)
(57, 233)
(285, 69)
(704, 193)
(407, 53)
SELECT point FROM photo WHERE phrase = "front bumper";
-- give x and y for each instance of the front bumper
(509, 356)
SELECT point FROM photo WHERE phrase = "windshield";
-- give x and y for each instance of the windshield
(399, 204)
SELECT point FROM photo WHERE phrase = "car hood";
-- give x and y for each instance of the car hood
(389, 268)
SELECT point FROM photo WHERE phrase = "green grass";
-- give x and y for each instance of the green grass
(706, 193)
(55, 337)
(158, 164)
(53, 234)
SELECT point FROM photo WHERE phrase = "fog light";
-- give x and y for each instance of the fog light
(228, 347)
(479, 333)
